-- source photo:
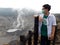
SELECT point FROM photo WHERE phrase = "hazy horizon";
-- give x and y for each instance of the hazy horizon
(30, 4)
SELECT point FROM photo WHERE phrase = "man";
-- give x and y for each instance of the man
(47, 25)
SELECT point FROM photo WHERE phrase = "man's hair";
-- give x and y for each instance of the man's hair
(47, 6)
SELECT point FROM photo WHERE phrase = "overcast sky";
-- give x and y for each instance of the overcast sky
(32, 4)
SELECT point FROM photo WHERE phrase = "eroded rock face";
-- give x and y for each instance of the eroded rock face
(9, 22)
(58, 20)
(2, 33)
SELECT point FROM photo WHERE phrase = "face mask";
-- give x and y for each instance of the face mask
(43, 11)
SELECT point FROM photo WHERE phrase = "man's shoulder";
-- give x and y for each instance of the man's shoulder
(51, 15)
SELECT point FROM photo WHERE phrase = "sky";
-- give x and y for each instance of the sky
(31, 4)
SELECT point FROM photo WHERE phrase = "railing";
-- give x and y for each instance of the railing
(24, 39)
(27, 40)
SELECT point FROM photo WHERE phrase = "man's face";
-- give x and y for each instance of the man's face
(45, 10)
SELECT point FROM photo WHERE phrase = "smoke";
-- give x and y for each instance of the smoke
(25, 20)
(20, 21)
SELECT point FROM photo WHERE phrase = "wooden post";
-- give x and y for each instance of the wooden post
(30, 38)
(36, 23)
(22, 40)
(54, 36)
